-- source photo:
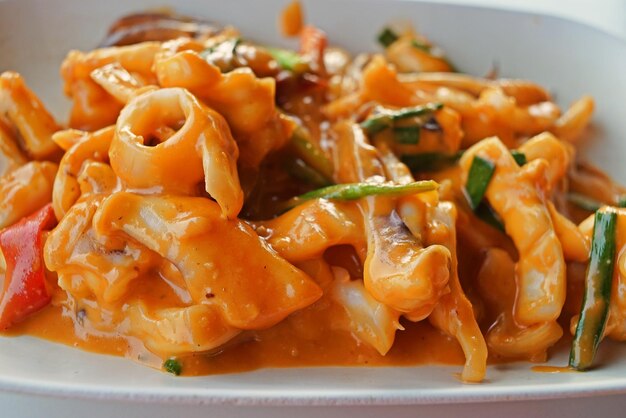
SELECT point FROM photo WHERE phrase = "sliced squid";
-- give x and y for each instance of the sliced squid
(496, 284)
(398, 271)
(223, 262)
(453, 313)
(92, 106)
(514, 195)
(166, 139)
(372, 322)
(434, 222)
(26, 112)
(308, 230)
(88, 264)
(92, 146)
(174, 331)
(25, 190)
(11, 156)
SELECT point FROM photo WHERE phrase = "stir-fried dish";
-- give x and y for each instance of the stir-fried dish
(215, 204)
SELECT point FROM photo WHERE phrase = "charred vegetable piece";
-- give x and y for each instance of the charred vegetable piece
(480, 174)
(595, 310)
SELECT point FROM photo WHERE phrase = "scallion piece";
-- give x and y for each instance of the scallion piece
(584, 202)
(598, 280)
(519, 157)
(289, 60)
(430, 161)
(407, 134)
(480, 174)
(382, 121)
(621, 202)
(171, 365)
(409, 112)
(387, 37)
(353, 191)
(376, 123)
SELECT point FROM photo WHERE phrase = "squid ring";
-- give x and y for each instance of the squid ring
(167, 139)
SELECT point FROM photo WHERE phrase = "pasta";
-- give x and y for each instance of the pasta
(216, 205)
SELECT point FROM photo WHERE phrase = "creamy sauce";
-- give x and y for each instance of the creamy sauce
(303, 339)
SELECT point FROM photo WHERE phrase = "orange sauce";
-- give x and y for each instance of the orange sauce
(303, 339)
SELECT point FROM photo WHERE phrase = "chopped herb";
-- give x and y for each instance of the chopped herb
(596, 298)
(519, 157)
(485, 212)
(406, 134)
(171, 365)
(289, 60)
(352, 191)
(430, 161)
(387, 37)
(584, 202)
(480, 174)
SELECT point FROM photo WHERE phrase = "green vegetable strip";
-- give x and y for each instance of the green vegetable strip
(409, 112)
(621, 202)
(352, 191)
(376, 124)
(519, 157)
(172, 366)
(289, 60)
(595, 310)
(387, 37)
(430, 161)
(311, 154)
(485, 213)
(383, 121)
(478, 179)
(406, 134)
(302, 171)
(584, 202)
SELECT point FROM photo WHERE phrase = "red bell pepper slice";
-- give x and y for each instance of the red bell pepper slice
(24, 290)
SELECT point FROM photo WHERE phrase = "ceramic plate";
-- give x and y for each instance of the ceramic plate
(569, 58)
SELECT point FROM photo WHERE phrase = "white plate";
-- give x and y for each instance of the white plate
(570, 58)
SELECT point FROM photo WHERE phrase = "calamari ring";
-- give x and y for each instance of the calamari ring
(166, 138)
